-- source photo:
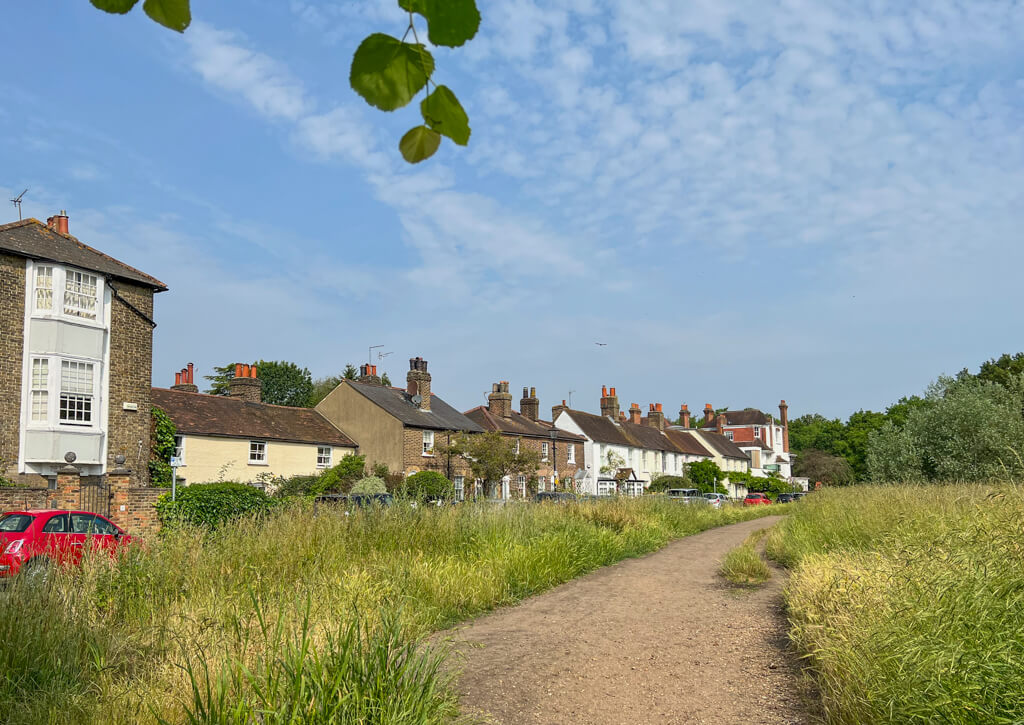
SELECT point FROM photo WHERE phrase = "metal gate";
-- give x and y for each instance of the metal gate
(95, 497)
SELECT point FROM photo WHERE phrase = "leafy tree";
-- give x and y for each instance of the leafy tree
(429, 486)
(386, 71)
(341, 477)
(284, 383)
(322, 387)
(705, 475)
(660, 484)
(385, 380)
(369, 485)
(491, 457)
(1003, 370)
(614, 463)
(161, 447)
(220, 381)
(825, 467)
(350, 372)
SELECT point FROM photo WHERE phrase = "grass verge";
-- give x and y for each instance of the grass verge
(743, 565)
(300, 618)
(907, 601)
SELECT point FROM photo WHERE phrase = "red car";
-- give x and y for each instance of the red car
(756, 499)
(34, 539)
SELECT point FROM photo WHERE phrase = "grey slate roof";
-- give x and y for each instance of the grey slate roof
(398, 403)
(723, 445)
(687, 441)
(750, 416)
(518, 424)
(33, 239)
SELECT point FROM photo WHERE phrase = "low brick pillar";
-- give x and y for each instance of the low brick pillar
(119, 481)
(69, 486)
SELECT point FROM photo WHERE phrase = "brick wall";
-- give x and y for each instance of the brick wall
(141, 510)
(20, 498)
(565, 469)
(12, 335)
(131, 363)
(413, 459)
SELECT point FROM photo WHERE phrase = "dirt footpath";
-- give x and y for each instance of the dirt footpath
(660, 639)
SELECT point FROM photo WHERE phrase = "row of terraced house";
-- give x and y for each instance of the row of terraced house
(76, 391)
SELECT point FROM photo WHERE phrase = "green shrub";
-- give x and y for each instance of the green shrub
(705, 476)
(341, 477)
(664, 483)
(369, 485)
(212, 504)
(161, 447)
(429, 485)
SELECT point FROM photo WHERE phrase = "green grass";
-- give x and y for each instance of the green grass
(743, 565)
(300, 618)
(908, 602)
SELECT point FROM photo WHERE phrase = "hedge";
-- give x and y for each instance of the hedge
(427, 485)
(212, 504)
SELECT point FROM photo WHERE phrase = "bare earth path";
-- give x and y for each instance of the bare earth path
(660, 639)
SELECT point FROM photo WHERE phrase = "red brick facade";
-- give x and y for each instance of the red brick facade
(12, 333)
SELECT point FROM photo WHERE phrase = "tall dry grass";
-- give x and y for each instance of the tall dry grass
(907, 602)
(300, 617)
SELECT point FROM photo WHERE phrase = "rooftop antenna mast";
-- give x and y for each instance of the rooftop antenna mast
(17, 202)
(382, 355)
(369, 355)
(570, 397)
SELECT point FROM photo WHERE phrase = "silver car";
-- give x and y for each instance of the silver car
(686, 495)
(717, 500)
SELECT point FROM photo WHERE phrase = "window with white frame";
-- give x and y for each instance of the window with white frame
(606, 487)
(80, 295)
(728, 434)
(257, 452)
(428, 442)
(323, 456)
(44, 288)
(571, 456)
(664, 462)
(544, 450)
(40, 390)
(76, 392)
(521, 481)
(645, 460)
(179, 448)
(757, 431)
(540, 483)
(460, 488)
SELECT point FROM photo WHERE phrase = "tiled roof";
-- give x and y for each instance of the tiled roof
(398, 403)
(756, 443)
(517, 424)
(219, 415)
(687, 442)
(624, 433)
(751, 416)
(31, 238)
(600, 429)
(720, 443)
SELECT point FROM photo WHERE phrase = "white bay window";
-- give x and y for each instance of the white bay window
(80, 298)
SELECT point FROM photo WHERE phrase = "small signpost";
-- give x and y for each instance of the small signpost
(175, 463)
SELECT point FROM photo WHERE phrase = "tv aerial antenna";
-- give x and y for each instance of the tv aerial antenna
(369, 355)
(570, 397)
(382, 355)
(17, 202)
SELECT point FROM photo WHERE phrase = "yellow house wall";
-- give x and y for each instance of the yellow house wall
(209, 458)
(379, 434)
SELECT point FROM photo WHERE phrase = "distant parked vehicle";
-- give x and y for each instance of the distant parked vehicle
(717, 500)
(799, 495)
(785, 498)
(687, 495)
(36, 539)
(756, 499)
(555, 496)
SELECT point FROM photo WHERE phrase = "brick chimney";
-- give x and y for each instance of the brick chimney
(709, 415)
(417, 381)
(784, 417)
(368, 374)
(183, 381)
(622, 416)
(720, 425)
(556, 409)
(609, 403)
(529, 406)
(656, 417)
(499, 401)
(684, 415)
(59, 222)
(635, 416)
(246, 385)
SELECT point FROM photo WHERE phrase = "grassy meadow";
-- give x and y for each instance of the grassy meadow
(301, 617)
(908, 602)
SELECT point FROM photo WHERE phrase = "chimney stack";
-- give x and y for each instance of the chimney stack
(183, 380)
(622, 416)
(609, 403)
(656, 417)
(368, 374)
(784, 417)
(556, 409)
(529, 406)
(499, 402)
(59, 222)
(246, 386)
(709, 415)
(635, 416)
(720, 426)
(684, 416)
(417, 381)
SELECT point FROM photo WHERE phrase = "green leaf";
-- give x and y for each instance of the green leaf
(115, 6)
(388, 73)
(173, 14)
(449, 22)
(443, 113)
(418, 144)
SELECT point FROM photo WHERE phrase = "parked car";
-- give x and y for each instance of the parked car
(756, 499)
(717, 500)
(799, 495)
(686, 495)
(36, 539)
(785, 498)
(555, 496)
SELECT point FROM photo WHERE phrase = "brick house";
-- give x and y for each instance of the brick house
(561, 456)
(765, 440)
(75, 363)
(400, 427)
(239, 438)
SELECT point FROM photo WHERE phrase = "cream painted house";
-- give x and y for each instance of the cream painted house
(232, 438)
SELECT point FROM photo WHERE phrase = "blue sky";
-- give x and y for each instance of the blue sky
(747, 201)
